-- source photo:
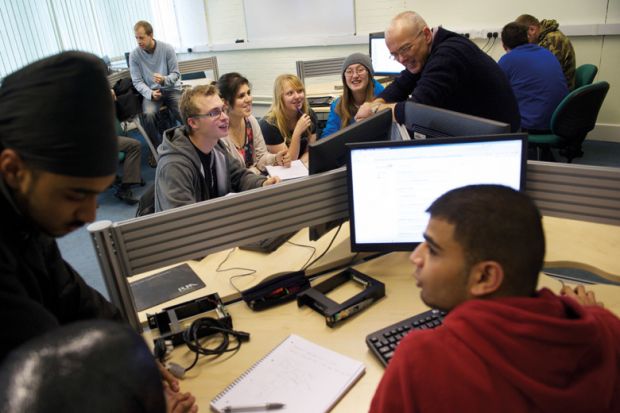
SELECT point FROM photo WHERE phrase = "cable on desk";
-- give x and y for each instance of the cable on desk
(304, 246)
(208, 326)
(307, 265)
(219, 268)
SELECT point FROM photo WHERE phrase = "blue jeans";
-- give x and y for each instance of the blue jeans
(150, 109)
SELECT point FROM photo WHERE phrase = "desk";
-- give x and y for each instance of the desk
(566, 240)
(287, 258)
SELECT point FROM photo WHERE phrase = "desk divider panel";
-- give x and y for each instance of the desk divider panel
(185, 66)
(116, 76)
(200, 65)
(137, 245)
(581, 192)
(321, 67)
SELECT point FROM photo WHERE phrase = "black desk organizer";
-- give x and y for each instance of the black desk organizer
(334, 312)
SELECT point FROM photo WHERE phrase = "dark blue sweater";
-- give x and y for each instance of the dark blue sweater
(457, 76)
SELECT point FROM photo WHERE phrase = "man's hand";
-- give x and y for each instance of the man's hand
(283, 159)
(113, 94)
(159, 78)
(156, 94)
(271, 180)
(581, 295)
(179, 402)
(365, 111)
(167, 377)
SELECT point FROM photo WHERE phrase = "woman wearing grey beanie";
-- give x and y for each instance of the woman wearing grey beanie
(359, 86)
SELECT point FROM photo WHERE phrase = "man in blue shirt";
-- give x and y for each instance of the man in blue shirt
(535, 75)
(155, 75)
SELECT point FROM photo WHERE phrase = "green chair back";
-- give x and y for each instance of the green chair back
(571, 121)
(576, 114)
(585, 74)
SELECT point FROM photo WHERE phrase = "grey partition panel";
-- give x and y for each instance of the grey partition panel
(116, 76)
(137, 245)
(321, 67)
(588, 193)
(200, 65)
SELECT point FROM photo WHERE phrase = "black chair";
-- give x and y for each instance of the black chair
(574, 117)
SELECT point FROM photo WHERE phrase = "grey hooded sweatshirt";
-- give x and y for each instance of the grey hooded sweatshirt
(179, 178)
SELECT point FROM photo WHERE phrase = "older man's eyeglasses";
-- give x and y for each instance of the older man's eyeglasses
(405, 49)
(213, 114)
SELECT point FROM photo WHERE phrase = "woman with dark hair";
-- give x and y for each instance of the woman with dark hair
(290, 124)
(359, 86)
(245, 138)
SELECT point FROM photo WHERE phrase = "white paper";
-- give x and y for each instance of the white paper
(296, 170)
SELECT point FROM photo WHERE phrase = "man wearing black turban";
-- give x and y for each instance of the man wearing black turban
(58, 151)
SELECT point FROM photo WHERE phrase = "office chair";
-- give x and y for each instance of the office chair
(571, 121)
(584, 75)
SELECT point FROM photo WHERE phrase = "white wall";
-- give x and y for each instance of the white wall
(226, 24)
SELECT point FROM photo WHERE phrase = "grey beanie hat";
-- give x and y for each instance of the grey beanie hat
(358, 58)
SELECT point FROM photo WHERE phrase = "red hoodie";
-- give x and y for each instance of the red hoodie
(518, 354)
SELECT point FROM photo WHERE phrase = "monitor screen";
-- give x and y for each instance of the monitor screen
(391, 184)
(423, 121)
(331, 153)
(380, 56)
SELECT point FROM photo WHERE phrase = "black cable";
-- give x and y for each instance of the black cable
(492, 45)
(207, 326)
(307, 265)
(305, 246)
(219, 268)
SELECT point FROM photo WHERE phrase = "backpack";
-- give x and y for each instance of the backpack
(146, 204)
(128, 100)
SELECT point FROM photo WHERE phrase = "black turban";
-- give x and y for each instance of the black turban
(58, 114)
(93, 366)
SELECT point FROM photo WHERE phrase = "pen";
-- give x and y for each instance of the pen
(254, 408)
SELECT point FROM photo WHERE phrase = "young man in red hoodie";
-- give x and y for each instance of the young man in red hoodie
(504, 346)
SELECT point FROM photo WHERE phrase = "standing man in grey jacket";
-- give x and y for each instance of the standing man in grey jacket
(193, 164)
(155, 75)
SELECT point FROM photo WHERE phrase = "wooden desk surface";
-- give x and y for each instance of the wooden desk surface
(566, 240)
(287, 258)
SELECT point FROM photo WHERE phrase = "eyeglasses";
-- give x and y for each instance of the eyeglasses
(405, 49)
(214, 114)
(358, 71)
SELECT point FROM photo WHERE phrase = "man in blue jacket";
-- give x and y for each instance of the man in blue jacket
(535, 75)
(443, 69)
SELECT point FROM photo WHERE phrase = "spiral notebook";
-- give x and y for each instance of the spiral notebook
(302, 375)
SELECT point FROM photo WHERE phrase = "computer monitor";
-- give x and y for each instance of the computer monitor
(423, 121)
(382, 64)
(331, 152)
(391, 184)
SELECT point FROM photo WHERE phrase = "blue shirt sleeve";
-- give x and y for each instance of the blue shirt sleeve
(333, 120)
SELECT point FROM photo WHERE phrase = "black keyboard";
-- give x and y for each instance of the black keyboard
(268, 245)
(383, 342)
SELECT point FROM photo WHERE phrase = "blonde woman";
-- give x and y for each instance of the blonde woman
(290, 124)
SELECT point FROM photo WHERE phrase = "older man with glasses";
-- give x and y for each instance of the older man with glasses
(194, 165)
(443, 69)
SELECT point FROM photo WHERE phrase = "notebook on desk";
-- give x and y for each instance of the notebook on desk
(302, 375)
